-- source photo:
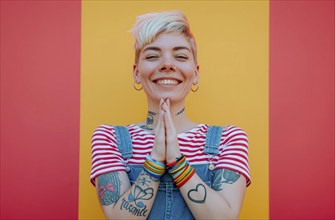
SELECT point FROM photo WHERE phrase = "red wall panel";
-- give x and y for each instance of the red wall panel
(40, 81)
(302, 110)
(40, 93)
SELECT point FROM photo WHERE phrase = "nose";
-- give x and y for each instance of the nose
(167, 66)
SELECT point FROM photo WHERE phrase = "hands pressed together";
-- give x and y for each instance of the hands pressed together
(166, 147)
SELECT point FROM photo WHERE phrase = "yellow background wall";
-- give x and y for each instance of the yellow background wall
(232, 38)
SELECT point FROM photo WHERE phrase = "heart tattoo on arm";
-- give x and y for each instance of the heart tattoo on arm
(198, 195)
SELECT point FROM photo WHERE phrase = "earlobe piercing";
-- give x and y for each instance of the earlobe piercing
(137, 88)
(196, 89)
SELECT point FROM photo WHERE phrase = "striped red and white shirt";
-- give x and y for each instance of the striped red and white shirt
(233, 153)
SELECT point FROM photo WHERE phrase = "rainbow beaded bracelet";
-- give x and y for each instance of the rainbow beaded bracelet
(181, 171)
(153, 167)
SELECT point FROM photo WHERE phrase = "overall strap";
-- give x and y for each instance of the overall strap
(124, 141)
(213, 139)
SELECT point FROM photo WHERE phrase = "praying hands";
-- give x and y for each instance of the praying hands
(166, 147)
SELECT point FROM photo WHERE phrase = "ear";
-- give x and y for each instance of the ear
(135, 74)
(196, 76)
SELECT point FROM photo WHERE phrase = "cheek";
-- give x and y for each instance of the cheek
(143, 72)
(146, 69)
(189, 72)
(145, 75)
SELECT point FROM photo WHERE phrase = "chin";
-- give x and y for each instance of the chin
(173, 97)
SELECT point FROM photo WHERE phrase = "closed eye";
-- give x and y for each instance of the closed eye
(150, 57)
(182, 57)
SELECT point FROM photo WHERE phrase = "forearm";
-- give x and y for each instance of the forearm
(136, 202)
(204, 202)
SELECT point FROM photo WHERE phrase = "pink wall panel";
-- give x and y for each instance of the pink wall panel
(40, 81)
(302, 110)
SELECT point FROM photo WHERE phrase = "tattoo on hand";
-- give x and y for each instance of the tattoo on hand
(134, 205)
(198, 195)
(224, 176)
(109, 188)
(150, 121)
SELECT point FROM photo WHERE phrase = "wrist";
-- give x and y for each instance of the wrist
(156, 157)
(153, 167)
(174, 159)
(181, 171)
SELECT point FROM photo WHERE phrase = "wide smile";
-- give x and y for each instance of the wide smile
(167, 82)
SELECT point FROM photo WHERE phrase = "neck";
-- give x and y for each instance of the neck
(178, 113)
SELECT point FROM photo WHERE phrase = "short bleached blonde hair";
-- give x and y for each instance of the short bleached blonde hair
(149, 26)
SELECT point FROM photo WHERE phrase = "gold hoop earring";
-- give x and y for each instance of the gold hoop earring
(137, 89)
(196, 89)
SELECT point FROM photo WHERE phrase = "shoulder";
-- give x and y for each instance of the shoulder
(233, 130)
(104, 135)
(110, 129)
(105, 127)
(232, 134)
(230, 130)
(110, 132)
(234, 137)
(105, 130)
(234, 151)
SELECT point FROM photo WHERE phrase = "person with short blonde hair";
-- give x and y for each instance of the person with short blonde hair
(167, 166)
(149, 26)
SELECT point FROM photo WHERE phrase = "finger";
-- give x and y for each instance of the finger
(160, 124)
(169, 126)
(160, 132)
(159, 150)
(165, 105)
(173, 149)
(167, 101)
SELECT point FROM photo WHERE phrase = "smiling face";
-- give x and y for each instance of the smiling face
(166, 68)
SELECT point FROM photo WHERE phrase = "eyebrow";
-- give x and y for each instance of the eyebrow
(152, 48)
(174, 49)
(181, 48)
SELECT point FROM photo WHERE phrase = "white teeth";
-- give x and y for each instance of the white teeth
(167, 82)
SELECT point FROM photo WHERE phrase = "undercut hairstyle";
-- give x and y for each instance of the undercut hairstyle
(149, 26)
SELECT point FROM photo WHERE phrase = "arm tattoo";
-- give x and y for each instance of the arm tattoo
(198, 195)
(150, 121)
(141, 192)
(147, 176)
(133, 204)
(224, 176)
(109, 188)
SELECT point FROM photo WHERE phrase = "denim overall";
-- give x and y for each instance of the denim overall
(169, 203)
